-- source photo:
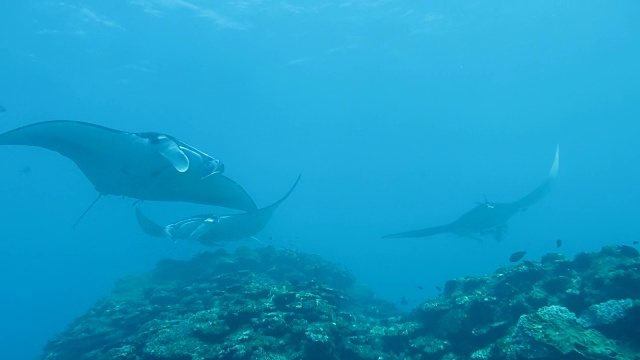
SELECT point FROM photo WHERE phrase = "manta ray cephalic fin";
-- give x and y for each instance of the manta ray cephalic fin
(171, 151)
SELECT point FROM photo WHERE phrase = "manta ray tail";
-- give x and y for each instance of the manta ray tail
(148, 226)
(420, 233)
(86, 211)
(258, 240)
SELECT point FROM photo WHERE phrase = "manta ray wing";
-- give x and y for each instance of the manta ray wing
(250, 223)
(243, 225)
(210, 229)
(216, 190)
(149, 226)
(268, 211)
(543, 189)
(144, 166)
(533, 197)
(116, 162)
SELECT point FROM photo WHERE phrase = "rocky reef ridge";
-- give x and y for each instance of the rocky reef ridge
(282, 304)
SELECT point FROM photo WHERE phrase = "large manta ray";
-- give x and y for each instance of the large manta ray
(144, 166)
(488, 217)
(211, 229)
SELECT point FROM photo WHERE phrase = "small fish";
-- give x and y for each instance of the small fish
(635, 242)
(438, 288)
(517, 256)
(25, 170)
(2, 109)
(404, 301)
(558, 242)
(420, 287)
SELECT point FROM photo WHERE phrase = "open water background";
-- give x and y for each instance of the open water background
(399, 115)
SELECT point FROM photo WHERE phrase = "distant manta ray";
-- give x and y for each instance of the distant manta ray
(211, 229)
(488, 217)
(143, 166)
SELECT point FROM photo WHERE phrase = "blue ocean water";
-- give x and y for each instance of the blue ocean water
(398, 115)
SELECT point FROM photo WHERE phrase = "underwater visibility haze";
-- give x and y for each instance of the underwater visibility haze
(398, 115)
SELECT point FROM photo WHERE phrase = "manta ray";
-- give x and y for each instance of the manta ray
(211, 230)
(144, 166)
(488, 217)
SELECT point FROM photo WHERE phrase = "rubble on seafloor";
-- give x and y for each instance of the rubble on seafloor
(282, 304)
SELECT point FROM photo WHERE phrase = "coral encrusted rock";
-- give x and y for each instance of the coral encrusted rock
(283, 304)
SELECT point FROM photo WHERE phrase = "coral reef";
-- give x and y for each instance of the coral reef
(282, 304)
